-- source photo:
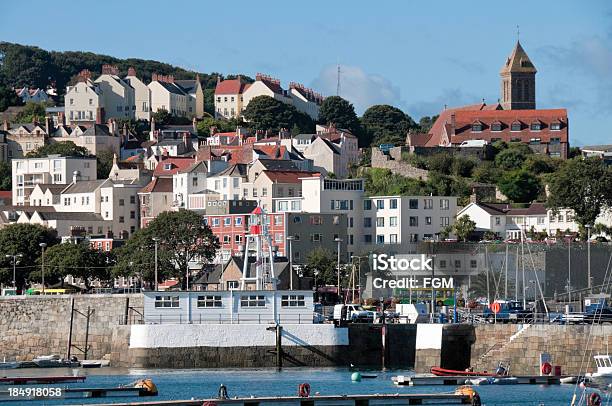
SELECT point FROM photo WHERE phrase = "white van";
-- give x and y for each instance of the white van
(473, 143)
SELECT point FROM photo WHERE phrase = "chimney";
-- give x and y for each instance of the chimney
(453, 122)
(170, 78)
(474, 196)
(194, 123)
(154, 77)
(218, 79)
(239, 78)
(131, 71)
(75, 176)
(61, 118)
(99, 115)
(47, 125)
(152, 128)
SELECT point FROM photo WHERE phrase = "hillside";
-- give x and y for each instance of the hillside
(24, 65)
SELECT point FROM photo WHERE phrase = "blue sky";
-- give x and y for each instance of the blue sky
(415, 55)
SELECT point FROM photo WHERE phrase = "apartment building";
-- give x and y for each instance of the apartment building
(195, 102)
(142, 95)
(118, 96)
(229, 97)
(167, 95)
(188, 181)
(23, 138)
(53, 169)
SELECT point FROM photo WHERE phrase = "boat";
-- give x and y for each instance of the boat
(604, 369)
(9, 364)
(437, 371)
(54, 361)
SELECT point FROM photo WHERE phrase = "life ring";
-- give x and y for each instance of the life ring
(594, 399)
(304, 390)
(495, 307)
(546, 368)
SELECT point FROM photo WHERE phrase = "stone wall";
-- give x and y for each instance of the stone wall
(394, 163)
(39, 325)
(521, 345)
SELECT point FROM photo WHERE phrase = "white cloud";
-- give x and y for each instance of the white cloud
(357, 86)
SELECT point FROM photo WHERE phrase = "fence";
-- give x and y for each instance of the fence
(226, 319)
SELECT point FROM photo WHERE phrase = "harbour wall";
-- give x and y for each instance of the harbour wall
(38, 325)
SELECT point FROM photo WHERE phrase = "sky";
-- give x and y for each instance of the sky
(415, 55)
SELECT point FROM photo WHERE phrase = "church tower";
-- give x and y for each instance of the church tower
(518, 81)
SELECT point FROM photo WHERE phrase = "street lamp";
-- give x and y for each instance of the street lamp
(569, 267)
(290, 238)
(156, 240)
(14, 256)
(43, 245)
(338, 240)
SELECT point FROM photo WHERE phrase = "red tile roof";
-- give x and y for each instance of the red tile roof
(6, 197)
(158, 185)
(272, 151)
(230, 86)
(176, 164)
(289, 176)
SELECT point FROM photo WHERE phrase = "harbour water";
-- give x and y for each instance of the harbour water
(204, 383)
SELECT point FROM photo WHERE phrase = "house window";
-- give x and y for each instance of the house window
(541, 220)
(516, 126)
(536, 126)
(497, 221)
(496, 127)
(121, 219)
(414, 204)
(428, 204)
(227, 239)
(227, 221)
(238, 239)
(232, 285)
(555, 126)
(297, 219)
(555, 140)
(380, 239)
(316, 220)
(380, 221)
(444, 221)
(132, 199)
(238, 221)
(393, 238)
(194, 182)
(252, 301)
(428, 221)
(444, 204)
(477, 127)
(392, 221)
(209, 301)
(442, 263)
(380, 204)
(367, 238)
(393, 203)
(367, 205)
(121, 202)
(414, 221)
(264, 191)
(457, 263)
(473, 263)
(316, 237)
(367, 222)
(66, 201)
(167, 301)
(292, 301)
(132, 214)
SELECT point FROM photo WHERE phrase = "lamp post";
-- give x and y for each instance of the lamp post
(338, 240)
(43, 245)
(14, 256)
(290, 238)
(569, 267)
(156, 241)
(588, 227)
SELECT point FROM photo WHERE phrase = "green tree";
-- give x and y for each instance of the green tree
(77, 260)
(23, 239)
(325, 263)
(441, 162)
(426, 122)
(5, 176)
(183, 238)
(8, 97)
(584, 186)
(31, 112)
(104, 162)
(463, 166)
(486, 172)
(520, 186)
(162, 117)
(207, 123)
(539, 164)
(386, 124)
(63, 148)
(464, 226)
(513, 157)
(340, 112)
(267, 113)
(383, 182)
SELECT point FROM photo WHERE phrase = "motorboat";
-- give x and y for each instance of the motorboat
(55, 361)
(604, 368)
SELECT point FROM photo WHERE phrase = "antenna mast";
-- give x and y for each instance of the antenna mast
(338, 81)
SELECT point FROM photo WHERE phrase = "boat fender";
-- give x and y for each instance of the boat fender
(546, 368)
(469, 391)
(148, 385)
(222, 394)
(304, 390)
(594, 399)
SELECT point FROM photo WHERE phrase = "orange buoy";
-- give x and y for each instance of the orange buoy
(546, 368)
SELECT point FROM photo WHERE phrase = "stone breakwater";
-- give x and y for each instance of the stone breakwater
(38, 325)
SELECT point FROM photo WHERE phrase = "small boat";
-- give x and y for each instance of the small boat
(9, 364)
(366, 376)
(54, 361)
(437, 371)
(574, 379)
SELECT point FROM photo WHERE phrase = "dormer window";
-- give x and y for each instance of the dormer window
(516, 126)
(477, 127)
(555, 126)
(496, 127)
(536, 126)
(167, 167)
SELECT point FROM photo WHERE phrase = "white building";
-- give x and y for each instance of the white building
(166, 95)
(142, 96)
(84, 102)
(229, 97)
(229, 182)
(188, 181)
(118, 97)
(54, 169)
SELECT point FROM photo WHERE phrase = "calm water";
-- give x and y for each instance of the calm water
(204, 383)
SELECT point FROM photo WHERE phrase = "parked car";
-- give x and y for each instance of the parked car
(352, 313)
(603, 315)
